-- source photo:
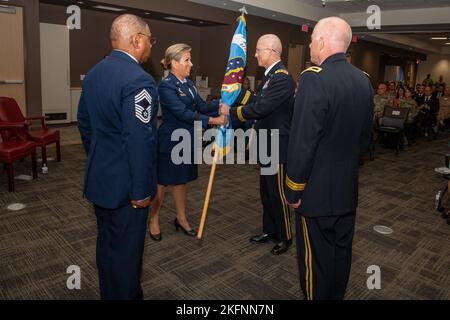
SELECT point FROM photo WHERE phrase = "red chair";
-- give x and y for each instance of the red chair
(11, 113)
(12, 151)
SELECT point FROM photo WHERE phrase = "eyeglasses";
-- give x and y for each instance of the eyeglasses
(150, 38)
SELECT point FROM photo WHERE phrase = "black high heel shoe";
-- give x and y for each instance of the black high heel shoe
(155, 237)
(190, 233)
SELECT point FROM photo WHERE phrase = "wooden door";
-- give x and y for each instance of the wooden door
(12, 65)
(296, 60)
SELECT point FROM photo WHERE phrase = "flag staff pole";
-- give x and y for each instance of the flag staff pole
(217, 154)
(208, 192)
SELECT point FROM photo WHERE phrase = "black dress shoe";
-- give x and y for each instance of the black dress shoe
(190, 233)
(261, 238)
(281, 247)
(155, 237)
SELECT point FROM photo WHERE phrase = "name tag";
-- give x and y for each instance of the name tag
(396, 113)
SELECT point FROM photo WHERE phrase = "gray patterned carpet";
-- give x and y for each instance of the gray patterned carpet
(57, 229)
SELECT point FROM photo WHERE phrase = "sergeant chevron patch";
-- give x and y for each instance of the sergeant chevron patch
(143, 106)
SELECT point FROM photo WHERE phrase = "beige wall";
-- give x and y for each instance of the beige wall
(370, 57)
(436, 65)
(90, 44)
(211, 44)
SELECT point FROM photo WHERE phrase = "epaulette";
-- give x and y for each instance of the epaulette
(312, 69)
(368, 75)
(282, 71)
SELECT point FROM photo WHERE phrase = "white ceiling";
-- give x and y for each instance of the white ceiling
(343, 6)
(416, 16)
(413, 12)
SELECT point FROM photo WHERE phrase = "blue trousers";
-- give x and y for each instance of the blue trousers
(120, 247)
(324, 251)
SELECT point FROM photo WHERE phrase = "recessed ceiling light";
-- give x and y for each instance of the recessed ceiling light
(201, 22)
(147, 12)
(109, 8)
(177, 19)
(447, 43)
(439, 38)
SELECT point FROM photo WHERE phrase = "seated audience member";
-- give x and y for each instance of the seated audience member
(391, 90)
(236, 124)
(444, 110)
(439, 92)
(417, 88)
(246, 84)
(428, 110)
(399, 97)
(380, 100)
(410, 125)
(419, 94)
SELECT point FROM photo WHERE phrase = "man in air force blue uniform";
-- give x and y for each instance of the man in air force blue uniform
(117, 123)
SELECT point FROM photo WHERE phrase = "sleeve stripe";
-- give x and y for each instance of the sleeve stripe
(295, 186)
(239, 114)
(246, 98)
(282, 71)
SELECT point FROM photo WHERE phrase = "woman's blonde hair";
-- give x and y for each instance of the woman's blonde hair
(174, 53)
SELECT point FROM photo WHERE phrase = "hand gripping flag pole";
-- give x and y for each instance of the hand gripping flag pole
(231, 88)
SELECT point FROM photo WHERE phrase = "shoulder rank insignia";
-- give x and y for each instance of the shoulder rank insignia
(313, 69)
(368, 75)
(282, 71)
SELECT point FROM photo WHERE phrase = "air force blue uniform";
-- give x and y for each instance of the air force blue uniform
(331, 127)
(117, 123)
(181, 106)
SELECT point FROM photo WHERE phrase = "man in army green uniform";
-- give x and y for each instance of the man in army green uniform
(380, 100)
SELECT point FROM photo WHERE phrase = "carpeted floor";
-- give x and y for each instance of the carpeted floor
(57, 229)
